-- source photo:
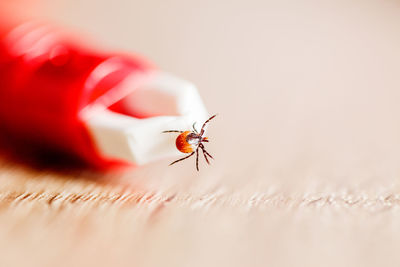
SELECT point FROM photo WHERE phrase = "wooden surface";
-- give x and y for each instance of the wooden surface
(307, 144)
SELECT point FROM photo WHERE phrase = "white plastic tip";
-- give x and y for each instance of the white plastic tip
(175, 102)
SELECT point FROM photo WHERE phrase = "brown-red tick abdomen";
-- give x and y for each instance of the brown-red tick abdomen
(182, 144)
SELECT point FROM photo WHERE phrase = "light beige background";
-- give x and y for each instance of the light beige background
(307, 143)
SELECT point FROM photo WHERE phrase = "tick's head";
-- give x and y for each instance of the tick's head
(193, 138)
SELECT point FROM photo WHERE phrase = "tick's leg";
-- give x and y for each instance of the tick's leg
(205, 151)
(172, 131)
(205, 155)
(194, 128)
(204, 124)
(197, 158)
(208, 154)
(191, 154)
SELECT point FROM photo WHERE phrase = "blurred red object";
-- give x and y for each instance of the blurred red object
(46, 80)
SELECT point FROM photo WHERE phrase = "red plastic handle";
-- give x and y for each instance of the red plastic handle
(45, 83)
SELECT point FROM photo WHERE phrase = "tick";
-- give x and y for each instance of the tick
(191, 141)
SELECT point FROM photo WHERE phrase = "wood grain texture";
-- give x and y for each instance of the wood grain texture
(306, 144)
(76, 220)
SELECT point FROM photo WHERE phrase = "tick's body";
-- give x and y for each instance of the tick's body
(191, 142)
(187, 142)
